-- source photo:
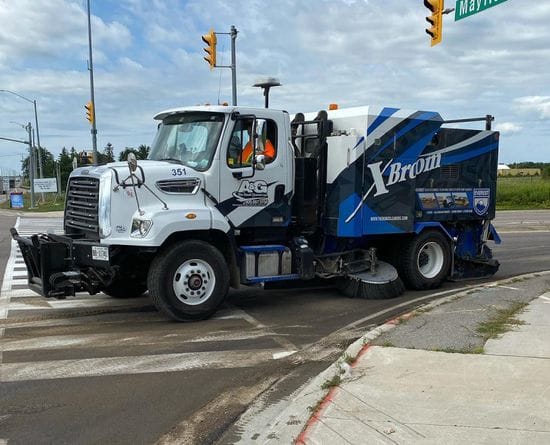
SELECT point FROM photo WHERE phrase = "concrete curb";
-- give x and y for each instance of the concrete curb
(286, 427)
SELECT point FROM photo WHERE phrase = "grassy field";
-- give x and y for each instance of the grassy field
(523, 193)
(51, 203)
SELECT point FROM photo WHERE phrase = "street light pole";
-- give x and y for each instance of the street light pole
(32, 163)
(38, 142)
(36, 122)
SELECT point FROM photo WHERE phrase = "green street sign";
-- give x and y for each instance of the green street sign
(466, 8)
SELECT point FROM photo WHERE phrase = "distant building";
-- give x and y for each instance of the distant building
(503, 167)
(518, 171)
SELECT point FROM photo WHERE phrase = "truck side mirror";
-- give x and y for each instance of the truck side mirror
(132, 162)
(260, 162)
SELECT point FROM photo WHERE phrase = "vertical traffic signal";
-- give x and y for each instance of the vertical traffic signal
(435, 19)
(210, 40)
(90, 112)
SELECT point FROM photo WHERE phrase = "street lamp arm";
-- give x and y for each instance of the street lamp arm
(18, 95)
(36, 122)
(15, 140)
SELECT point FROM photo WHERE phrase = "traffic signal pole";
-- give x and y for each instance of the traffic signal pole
(234, 64)
(211, 41)
(91, 69)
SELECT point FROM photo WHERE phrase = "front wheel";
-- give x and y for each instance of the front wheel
(189, 280)
(425, 261)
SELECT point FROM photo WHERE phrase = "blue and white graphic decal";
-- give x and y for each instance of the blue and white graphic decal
(405, 162)
(481, 201)
(407, 157)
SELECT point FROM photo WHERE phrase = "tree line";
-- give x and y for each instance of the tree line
(64, 161)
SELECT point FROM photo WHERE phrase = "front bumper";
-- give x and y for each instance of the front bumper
(58, 265)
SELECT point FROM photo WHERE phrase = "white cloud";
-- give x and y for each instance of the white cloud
(508, 128)
(53, 29)
(148, 56)
(538, 104)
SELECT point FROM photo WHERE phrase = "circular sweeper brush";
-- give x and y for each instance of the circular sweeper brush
(382, 283)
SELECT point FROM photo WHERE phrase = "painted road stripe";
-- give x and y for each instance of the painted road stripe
(87, 303)
(61, 369)
(6, 286)
(111, 339)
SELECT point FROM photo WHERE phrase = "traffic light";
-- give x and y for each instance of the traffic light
(90, 112)
(435, 19)
(210, 40)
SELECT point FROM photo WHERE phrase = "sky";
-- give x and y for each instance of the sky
(148, 56)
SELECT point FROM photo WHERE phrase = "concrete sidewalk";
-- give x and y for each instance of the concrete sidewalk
(430, 377)
(402, 396)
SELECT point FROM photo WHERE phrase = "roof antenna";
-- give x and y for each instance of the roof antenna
(266, 83)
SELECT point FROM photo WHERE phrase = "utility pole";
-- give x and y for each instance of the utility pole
(91, 69)
(38, 142)
(31, 164)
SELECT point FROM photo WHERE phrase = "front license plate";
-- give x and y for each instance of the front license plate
(100, 253)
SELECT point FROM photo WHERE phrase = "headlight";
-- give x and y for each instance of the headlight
(104, 210)
(140, 227)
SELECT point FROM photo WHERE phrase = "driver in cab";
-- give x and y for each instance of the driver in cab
(264, 146)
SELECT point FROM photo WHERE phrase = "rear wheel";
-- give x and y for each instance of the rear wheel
(189, 280)
(425, 261)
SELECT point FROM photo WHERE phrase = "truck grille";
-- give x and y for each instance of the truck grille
(81, 209)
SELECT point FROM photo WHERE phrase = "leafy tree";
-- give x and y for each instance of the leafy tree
(141, 153)
(48, 168)
(107, 155)
(66, 166)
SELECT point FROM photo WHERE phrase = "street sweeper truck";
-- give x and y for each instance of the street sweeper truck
(371, 199)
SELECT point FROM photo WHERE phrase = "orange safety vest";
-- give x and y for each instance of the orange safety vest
(269, 152)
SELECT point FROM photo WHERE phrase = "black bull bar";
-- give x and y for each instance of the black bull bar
(59, 266)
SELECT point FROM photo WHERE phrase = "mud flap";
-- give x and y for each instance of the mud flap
(473, 268)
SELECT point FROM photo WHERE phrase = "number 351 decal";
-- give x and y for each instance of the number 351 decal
(178, 172)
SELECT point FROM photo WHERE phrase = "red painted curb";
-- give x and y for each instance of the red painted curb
(362, 352)
(301, 439)
(395, 321)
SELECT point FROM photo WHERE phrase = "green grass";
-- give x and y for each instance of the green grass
(52, 202)
(334, 381)
(502, 321)
(522, 193)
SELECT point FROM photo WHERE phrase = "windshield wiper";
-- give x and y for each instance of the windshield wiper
(177, 161)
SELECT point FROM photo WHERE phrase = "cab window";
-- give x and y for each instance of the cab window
(240, 151)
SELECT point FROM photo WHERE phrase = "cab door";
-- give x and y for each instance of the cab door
(256, 172)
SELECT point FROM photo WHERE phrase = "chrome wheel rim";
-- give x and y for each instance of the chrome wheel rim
(194, 282)
(430, 259)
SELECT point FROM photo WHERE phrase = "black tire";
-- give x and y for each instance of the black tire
(197, 272)
(125, 288)
(425, 261)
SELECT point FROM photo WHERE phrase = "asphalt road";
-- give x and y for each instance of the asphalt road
(93, 369)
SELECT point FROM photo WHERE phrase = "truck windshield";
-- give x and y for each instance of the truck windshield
(188, 138)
